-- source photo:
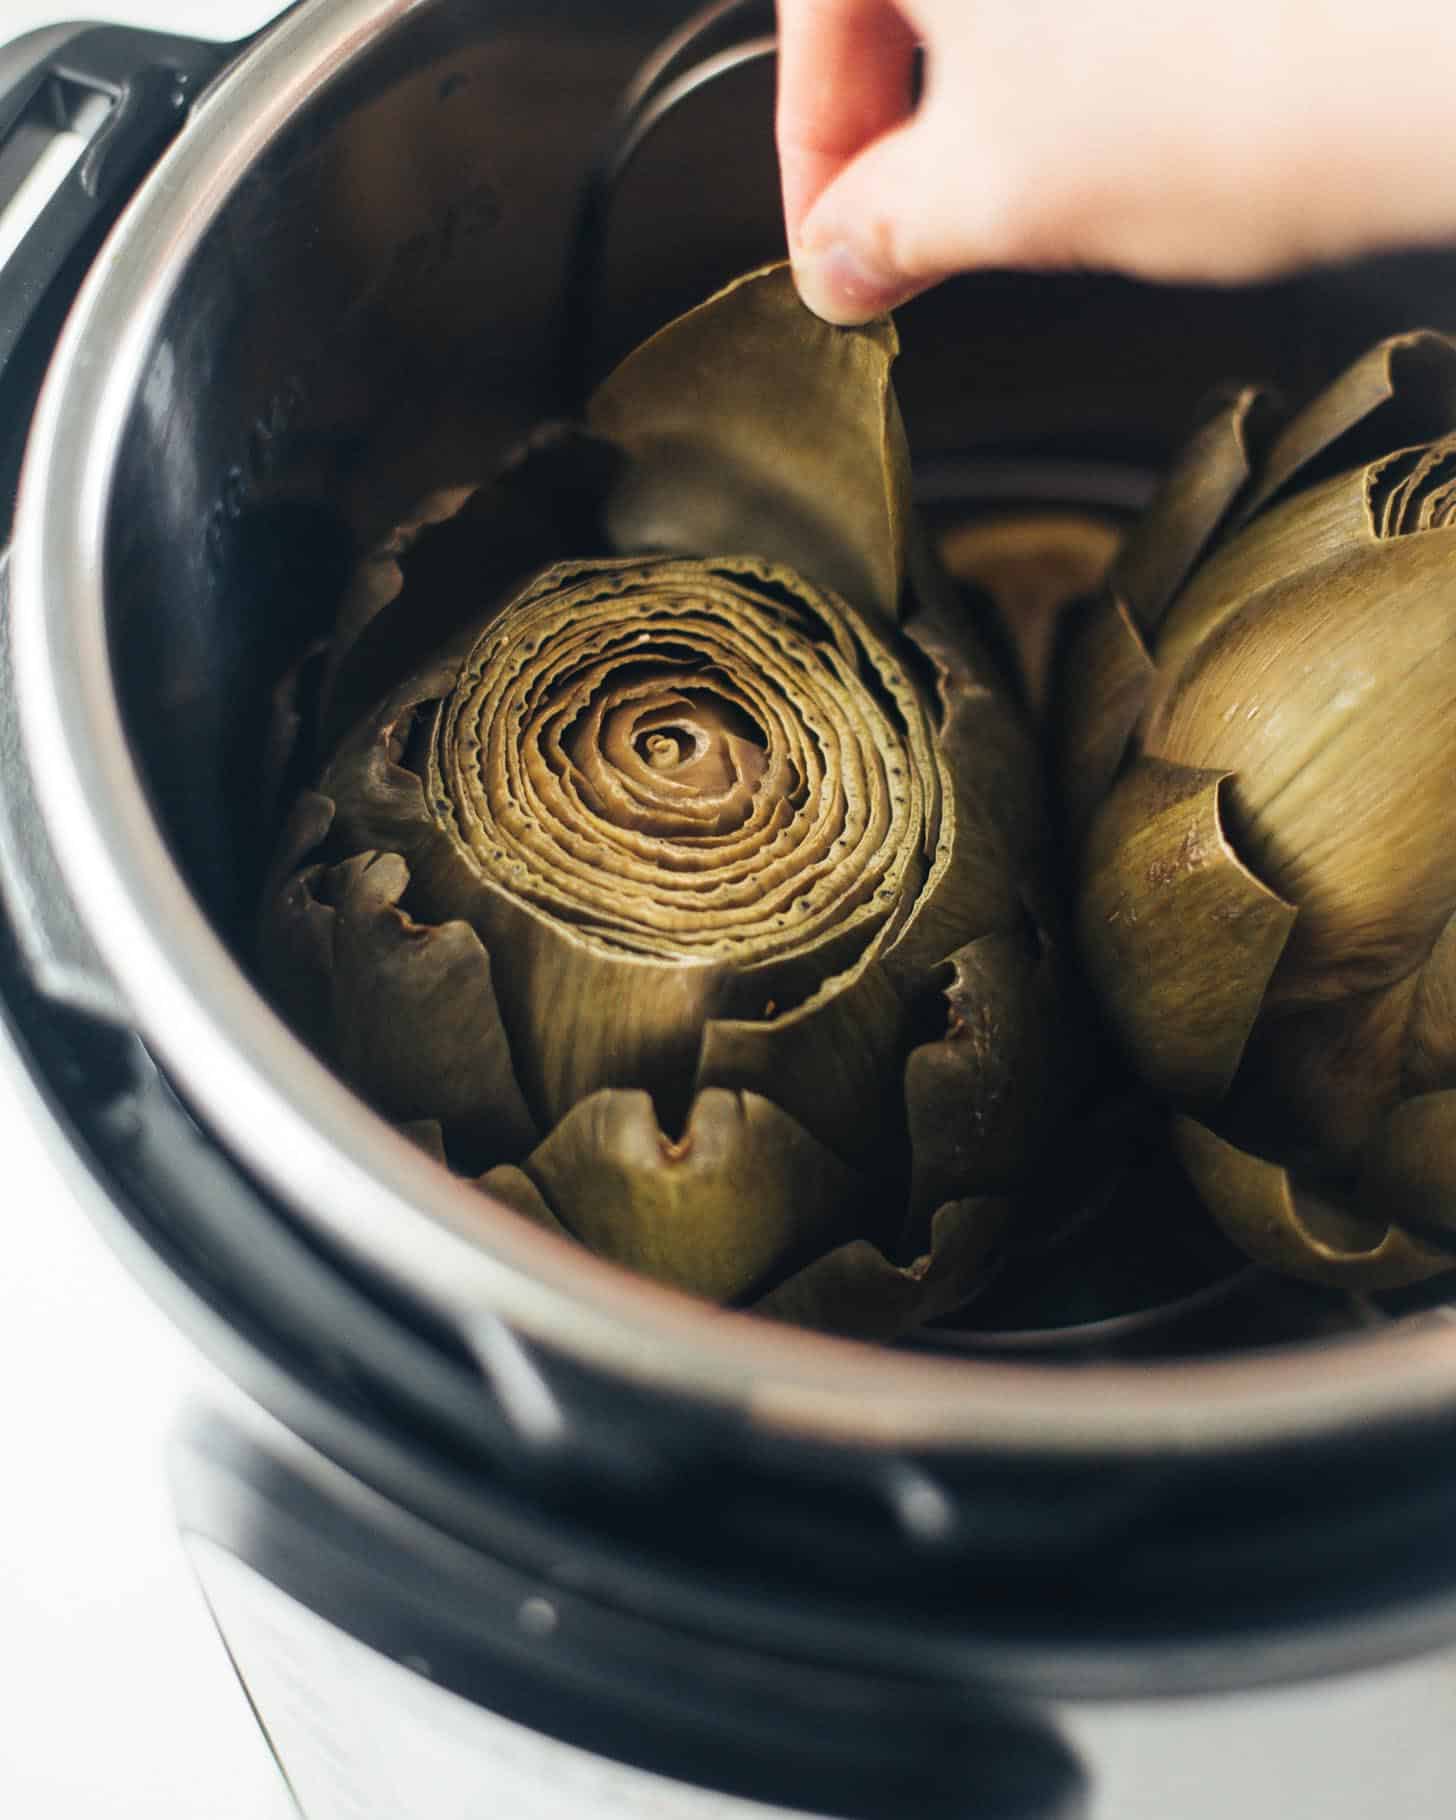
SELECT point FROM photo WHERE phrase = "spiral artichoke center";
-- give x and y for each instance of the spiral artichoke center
(682, 760)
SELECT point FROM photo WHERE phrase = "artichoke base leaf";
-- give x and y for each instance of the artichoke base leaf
(1319, 1080)
(979, 1100)
(1410, 1167)
(712, 1211)
(855, 1291)
(305, 829)
(376, 585)
(515, 1190)
(1297, 1232)
(982, 737)
(1180, 939)
(406, 1011)
(826, 1062)
(1430, 1050)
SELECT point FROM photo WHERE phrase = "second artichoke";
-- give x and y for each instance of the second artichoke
(1259, 740)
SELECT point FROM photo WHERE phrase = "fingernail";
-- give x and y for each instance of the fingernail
(839, 284)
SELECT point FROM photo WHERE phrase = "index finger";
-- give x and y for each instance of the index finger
(846, 75)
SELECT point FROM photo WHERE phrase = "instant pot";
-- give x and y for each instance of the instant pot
(487, 1526)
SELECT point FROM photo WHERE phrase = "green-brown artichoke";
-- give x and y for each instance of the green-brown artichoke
(671, 867)
(1259, 741)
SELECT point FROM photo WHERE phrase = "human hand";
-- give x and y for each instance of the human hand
(1196, 142)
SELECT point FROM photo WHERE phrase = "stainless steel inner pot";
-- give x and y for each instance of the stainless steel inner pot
(350, 279)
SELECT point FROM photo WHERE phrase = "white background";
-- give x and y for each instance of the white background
(221, 19)
(116, 1699)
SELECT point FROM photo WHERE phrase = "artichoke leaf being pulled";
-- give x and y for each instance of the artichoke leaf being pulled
(675, 793)
(1267, 875)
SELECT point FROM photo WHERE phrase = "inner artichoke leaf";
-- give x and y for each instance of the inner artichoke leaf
(1293, 540)
(1401, 391)
(857, 1292)
(1104, 678)
(712, 1210)
(749, 424)
(979, 1099)
(1293, 1230)
(1180, 939)
(411, 1012)
(1193, 499)
(1410, 1169)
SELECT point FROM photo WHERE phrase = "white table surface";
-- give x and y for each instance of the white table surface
(221, 19)
(117, 1701)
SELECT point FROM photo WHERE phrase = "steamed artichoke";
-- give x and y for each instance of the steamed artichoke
(1258, 745)
(671, 869)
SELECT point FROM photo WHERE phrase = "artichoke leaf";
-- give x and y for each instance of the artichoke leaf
(1410, 1169)
(750, 425)
(1191, 502)
(975, 884)
(1320, 1079)
(712, 1211)
(1289, 1229)
(406, 1010)
(1401, 391)
(296, 955)
(586, 1017)
(375, 586)
(1430, 1058)
(1358, 689)
(1104, 678)
(1179, 937)
(286, 720)
(305, 829)
(826, 1061)
(463, 551)
(979, 1100)
(379, 802)
(857, 1292)
(1290, 543)
(515, 1189)
(982, 737)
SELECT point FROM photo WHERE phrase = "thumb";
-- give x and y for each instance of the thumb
(908, 211)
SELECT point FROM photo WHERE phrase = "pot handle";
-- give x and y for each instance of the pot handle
(126, 93)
